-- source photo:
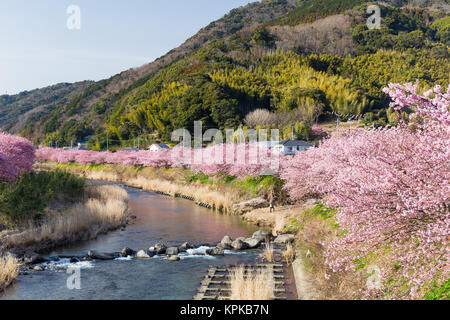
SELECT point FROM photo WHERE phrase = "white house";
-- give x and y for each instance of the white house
(290, 147)
(159, 146)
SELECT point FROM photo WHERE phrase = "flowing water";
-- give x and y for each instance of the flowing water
(159, 219)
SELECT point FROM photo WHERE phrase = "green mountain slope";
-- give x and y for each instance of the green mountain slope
(311, 57)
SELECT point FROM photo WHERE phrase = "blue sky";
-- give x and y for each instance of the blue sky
(37, 49)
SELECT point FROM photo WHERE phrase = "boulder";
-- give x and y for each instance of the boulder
(141, 254)
(238, 244)
(173, 258)
(284, 239)
(2, 227)
(186, 246)
(101, 256)
(74, 260)
(172, 251)
(224, 246)
(252, 243)
(249, 205)
(215, 252)
(38, 268)
(160, 248)
(125, 252)
(262, 235)
(226, 241)
(33, 258)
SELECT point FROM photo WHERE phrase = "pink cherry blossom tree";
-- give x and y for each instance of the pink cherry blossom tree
(391, 189)
(18, 151)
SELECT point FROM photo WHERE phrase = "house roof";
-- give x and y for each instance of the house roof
(296, 143)
(162, 146)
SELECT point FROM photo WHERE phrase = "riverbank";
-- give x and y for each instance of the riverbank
(101, 209)
(223, 194)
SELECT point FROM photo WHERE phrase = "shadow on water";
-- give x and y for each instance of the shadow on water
(171, 221)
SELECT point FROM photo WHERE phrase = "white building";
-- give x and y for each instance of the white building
(290, 147)
(159, 146)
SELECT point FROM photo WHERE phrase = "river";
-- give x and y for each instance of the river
(160, 219)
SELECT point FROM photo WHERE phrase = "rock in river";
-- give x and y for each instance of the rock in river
(215, 252)
(284, 238)
(252, 243)
(172, 251)
(173, 258)
(238, 244)
(187, 246)
(141, 254)
(262, 235)
(126, 252)
(226, 241)
(32, 258)
(101, 256)
(160, 248)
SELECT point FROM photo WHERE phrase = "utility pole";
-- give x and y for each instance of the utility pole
(107, 141)
(138, 142)
(71, 144)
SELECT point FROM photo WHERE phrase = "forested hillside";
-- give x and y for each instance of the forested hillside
(306, 59)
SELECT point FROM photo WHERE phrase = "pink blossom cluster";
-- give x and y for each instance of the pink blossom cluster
(391, 188)
(137, 158)
(433, 104)
(17, 156)
(238, 160)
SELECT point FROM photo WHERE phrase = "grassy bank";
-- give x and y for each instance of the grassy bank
(9, 271)
(218, 192)
(101, 209)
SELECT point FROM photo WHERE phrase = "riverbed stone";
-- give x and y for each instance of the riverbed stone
(226, 241)
(173, 258)
(33, 258)
(125, 252)
(141, 254)
(38, 268)
(160, 248)
(239, 244)
(224, 246)
(284, 239)
(262, 235)
(100, 255)
(172, 251)
(252, 243)
(187, 246)
(215, 252)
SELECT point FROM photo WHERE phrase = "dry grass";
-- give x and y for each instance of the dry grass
(289, 254)
(257, 285)
(206, 194)
(170, 181)
(102, 175)
(9, 271)
(280, 224)
(105, 210)
(268, 253)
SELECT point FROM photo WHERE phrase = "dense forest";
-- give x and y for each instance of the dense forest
(312, 60)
